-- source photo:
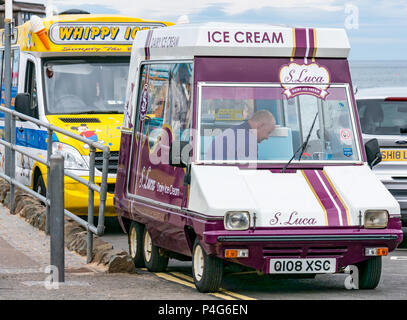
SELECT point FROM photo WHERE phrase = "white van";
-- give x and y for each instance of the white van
(241, 144)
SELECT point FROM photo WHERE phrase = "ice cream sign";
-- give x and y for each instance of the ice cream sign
(310, 79)
(97, 33)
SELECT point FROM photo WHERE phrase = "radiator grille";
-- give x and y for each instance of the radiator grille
(304, 252)
(80, 120)
(113, 161)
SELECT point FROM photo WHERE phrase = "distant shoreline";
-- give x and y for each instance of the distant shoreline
(367, 60)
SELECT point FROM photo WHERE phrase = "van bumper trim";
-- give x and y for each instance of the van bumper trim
(306, 238)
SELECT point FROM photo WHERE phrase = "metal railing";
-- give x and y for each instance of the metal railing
(9, 175)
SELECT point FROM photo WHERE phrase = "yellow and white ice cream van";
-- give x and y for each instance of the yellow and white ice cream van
(74, 69)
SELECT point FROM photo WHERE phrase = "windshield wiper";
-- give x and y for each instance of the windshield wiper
(302, 147)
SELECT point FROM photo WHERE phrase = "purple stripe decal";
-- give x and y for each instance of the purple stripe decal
(300, 42)
(322, 194)
(336, 198)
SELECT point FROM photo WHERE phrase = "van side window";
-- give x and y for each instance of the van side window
(179, 110)
(1, 83)
(31, 88)
(15, 61)
(165, 99)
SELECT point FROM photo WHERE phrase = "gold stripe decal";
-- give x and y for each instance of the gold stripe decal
(339, 197)
(294, 46)
(316, 196)
(315, 46)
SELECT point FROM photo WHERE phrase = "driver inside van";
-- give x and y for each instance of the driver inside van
(240, 142)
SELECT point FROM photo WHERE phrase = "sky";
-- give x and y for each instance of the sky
(376, 28)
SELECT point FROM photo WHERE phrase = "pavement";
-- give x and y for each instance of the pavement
(24, 272)
(24, 275)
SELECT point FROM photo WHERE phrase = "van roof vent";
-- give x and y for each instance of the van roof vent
(74, 11)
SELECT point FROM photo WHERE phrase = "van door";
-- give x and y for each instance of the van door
(164, 114)
(30, 135)
(15, 65)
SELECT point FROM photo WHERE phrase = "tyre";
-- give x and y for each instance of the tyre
(403, 244)
(39, 187)
(370, 272)
(135, 237)
(154, 259)
(207, 270)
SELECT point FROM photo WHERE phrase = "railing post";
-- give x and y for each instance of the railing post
(91, 202)
(12, 162)
(57, 215)
(49, 153)
(103, 191)
(7, 91)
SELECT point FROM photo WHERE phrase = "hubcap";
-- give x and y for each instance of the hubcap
(198, 263)
(148, 246)
(39, 189)
(133, 242)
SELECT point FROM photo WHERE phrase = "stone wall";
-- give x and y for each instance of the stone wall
(34, 213)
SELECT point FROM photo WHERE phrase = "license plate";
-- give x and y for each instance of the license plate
(284, 266)
(394, 155)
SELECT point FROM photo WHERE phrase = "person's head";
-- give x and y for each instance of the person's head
(264, 124)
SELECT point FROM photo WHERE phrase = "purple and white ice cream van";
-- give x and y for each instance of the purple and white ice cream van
(242, 145)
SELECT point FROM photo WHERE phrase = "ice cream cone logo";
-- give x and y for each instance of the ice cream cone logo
(37, 27)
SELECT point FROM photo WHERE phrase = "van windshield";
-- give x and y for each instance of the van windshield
(259, 123)
(383, 117)
(85, 86)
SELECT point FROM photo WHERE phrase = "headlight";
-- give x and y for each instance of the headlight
(376, 219)
(73, 159)
(237, 220)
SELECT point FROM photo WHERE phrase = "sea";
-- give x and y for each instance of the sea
(367, 74)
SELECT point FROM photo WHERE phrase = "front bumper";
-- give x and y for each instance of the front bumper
(77, 199)
(347, 246)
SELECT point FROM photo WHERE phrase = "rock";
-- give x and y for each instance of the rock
(4, 189)
(31, 209)
(6, 200)
(101, 256)
(121, 264)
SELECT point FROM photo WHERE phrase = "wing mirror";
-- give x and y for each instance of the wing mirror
(373, 154)
(22, 104)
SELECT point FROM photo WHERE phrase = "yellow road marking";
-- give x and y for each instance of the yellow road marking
(233, 294)
(169, 277)
(183, 276)
(243, 273)
(236, 295)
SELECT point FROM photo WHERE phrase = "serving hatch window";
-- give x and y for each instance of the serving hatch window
(258, 123)
(85, 86)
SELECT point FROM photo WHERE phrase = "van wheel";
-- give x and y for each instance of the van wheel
(136, 244)
(207, 270)
(403, 244)
(369, 273)
(154, 259)
(39, 186)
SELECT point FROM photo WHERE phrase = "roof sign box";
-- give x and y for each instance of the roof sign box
(223, 39)
(97, 33)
